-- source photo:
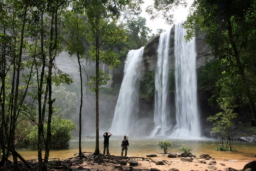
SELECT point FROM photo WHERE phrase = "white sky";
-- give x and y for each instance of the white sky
(159, 23)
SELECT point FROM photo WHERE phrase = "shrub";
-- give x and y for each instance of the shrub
(222, 125)
(186, 150)
(165, 145)
(61, 133)
(23, 129)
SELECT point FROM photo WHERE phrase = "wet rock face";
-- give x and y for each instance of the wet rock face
(204, 52)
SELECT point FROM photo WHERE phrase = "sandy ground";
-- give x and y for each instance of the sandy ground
(176, 163)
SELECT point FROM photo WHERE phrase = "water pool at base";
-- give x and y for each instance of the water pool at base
(141, 147)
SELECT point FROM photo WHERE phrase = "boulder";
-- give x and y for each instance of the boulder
(160, 162)
(154, 169)
(117, 166)
(212, 163)
(230, 169)
(173, 169)
(247, 139)
(251, 165)
(123, 162)
(205, 156)
(151, 155)
(248, 169)
(202, 161)
(186, 159)
(171, 156)
(212, 167)
(133, 163)
(80, 168)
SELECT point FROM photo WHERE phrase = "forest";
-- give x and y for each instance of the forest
(34, 32)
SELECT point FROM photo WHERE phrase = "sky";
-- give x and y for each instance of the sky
(180, 14)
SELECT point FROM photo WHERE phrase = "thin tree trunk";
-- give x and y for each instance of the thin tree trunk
(97, 149)
(2, 100)
(81, 106)
(40, 92)
(53, 37)
(16, 107)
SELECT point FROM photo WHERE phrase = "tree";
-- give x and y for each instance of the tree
(164, 9)
(43, 47)
(137, 32)
(165, 145)
(229, 30)
(74, 34)
(13, 23)
(222, 125)
(102, 17)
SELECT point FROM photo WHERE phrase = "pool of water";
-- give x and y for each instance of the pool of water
(139, 147)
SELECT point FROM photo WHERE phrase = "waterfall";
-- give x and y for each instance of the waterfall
(128, 95)
(187, 116)
(161, 111)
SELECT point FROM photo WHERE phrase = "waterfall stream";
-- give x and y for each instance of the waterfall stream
(187, 116)
(161, 111)
(128, 95)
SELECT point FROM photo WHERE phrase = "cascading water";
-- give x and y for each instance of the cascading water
(161, 111)
(187, 116)
(128, 95)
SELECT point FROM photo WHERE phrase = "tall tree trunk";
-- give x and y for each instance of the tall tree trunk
(2, 101)
(81, 106)
(41, 111)
(241, 72)
(97, 149)
(17, 83)
(52, 48)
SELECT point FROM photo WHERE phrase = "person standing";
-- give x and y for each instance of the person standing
(124, 145)
(106, 136)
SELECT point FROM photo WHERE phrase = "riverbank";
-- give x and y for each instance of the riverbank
(172, 165)
(102, 162)
(155, 164)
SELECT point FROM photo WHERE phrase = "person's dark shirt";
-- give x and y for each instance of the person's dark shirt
(106, 138)
(125, 142)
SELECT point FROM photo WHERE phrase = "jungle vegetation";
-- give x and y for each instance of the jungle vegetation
(34, 32)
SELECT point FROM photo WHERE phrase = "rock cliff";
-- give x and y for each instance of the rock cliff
(204, 53)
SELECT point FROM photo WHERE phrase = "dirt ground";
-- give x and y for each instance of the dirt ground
(172, 163)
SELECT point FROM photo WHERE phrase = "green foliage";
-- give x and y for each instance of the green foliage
(147, 86)
(221, 146)
(103, 79)
(229, 29)
(61, 133)
(138, 33)
(74, 33)
(162, 9)
(223, 123)
(23, 129)
(186, 150)
(165, 145)
(208, 75)
(61, 78)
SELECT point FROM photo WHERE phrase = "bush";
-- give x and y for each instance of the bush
(186, 150)
(61, 133)
(165, 145)
(23, 129)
